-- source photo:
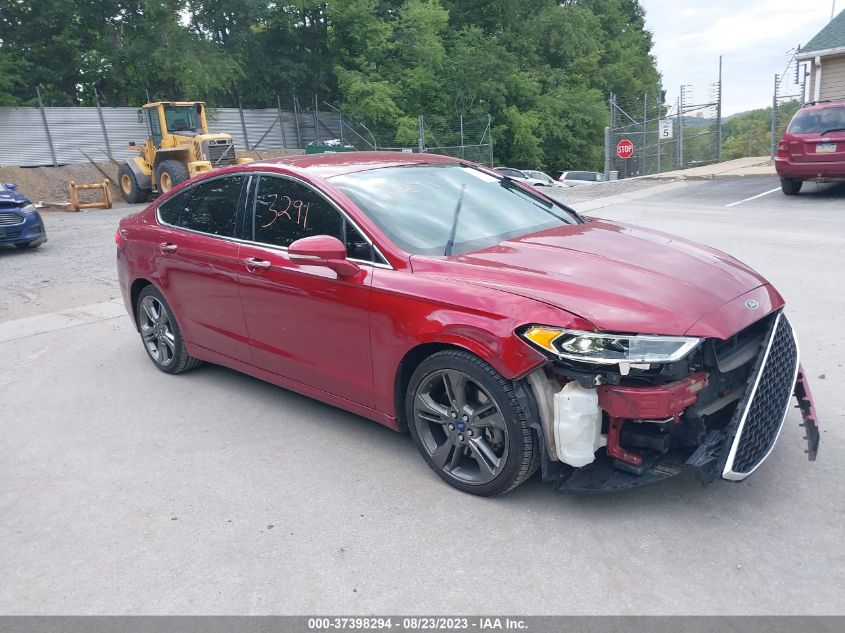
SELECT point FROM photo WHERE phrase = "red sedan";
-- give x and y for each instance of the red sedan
(500, 328)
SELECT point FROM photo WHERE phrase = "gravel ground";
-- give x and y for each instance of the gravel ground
(75, 267)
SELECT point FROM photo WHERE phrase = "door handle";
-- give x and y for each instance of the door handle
(167, 247)
(252, 262)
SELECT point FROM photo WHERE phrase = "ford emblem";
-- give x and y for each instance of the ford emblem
(751, 304)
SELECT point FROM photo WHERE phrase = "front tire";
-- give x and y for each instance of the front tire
(169, 174)
(468, 424)
(160, 333)
(790, 187)
(128, 185)
(27, 246)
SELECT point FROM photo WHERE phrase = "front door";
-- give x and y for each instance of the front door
(305, 322)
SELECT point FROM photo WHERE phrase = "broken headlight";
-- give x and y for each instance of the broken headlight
(608, 349)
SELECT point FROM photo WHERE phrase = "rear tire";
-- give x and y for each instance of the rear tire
(128, 185)
(169, 174)
(160, 333)
(468, 424)
(790, 187)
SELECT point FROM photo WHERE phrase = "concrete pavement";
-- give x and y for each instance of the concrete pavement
(751, 166)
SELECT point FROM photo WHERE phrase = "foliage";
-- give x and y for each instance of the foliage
(750, 133)
(540, 68)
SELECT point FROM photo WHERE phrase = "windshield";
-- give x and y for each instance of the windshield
(181, 118)
(818, 121)
(416, 207)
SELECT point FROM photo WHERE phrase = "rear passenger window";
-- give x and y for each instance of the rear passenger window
(213, 206)
(170, 210)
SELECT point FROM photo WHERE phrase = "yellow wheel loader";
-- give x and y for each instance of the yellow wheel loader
(178, 146)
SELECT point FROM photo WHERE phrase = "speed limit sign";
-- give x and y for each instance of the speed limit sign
(665, 128)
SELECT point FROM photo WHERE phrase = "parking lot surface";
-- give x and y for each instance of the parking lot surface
(125, 490)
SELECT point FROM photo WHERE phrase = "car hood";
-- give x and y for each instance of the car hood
(11, 198)
(620, 278)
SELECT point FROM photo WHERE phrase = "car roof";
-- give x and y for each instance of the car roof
(823, 105)
(331, 164)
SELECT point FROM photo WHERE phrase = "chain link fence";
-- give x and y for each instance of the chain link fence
(664, 137)
(462, 136)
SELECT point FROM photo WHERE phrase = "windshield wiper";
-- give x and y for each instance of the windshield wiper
(836, 129)
(451, 241)
(511, 185)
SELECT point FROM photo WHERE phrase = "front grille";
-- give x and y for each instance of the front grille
(10, 236)
(221, 155)
(764, 409)
(10, 218)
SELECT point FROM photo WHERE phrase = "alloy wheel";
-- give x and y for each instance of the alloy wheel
(157, 331)
(461, 427)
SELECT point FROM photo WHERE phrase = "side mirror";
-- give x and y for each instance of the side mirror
(140, 115)
(10, 186)
(323, 250)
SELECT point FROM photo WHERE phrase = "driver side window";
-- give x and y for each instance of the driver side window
(286, 211)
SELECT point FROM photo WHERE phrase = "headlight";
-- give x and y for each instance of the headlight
(30, 208)
(608, 349)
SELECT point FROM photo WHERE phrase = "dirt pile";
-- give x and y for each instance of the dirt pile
(49, 184)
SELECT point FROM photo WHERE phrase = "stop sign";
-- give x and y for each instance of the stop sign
(625, 149)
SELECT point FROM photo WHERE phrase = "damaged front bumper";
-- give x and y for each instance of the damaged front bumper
(636, 454)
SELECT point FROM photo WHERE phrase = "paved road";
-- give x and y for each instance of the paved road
(124, 490)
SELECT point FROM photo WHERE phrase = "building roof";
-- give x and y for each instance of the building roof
(830, 38)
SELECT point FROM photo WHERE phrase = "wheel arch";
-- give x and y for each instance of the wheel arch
(135, 291)
(407, 365)
(141, 171)
(417, 354)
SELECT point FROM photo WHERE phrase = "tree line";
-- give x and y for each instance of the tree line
(541, 68)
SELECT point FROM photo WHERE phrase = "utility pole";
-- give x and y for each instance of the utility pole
(608, 138)
(681, 129)
(422, 135)
(645, 133)
(46, 127)
(719, 114)
(102, 122)
(774, 118)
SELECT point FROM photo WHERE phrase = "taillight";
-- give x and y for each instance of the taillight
(119, 237)
(782, 151)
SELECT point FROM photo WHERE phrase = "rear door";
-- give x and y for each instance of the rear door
(198, 264)
(305, 322)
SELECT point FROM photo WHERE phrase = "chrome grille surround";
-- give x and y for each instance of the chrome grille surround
(763, 409)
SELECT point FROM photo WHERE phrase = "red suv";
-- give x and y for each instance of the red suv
(813, 146)
(504, 331)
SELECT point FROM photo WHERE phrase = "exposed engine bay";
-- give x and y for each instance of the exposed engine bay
(718, 410)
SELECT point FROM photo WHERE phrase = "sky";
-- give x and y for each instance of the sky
(754, 37)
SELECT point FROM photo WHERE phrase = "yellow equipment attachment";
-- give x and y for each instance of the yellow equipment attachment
(76, 205)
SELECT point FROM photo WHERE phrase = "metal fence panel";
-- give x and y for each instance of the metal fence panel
(23, 139)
